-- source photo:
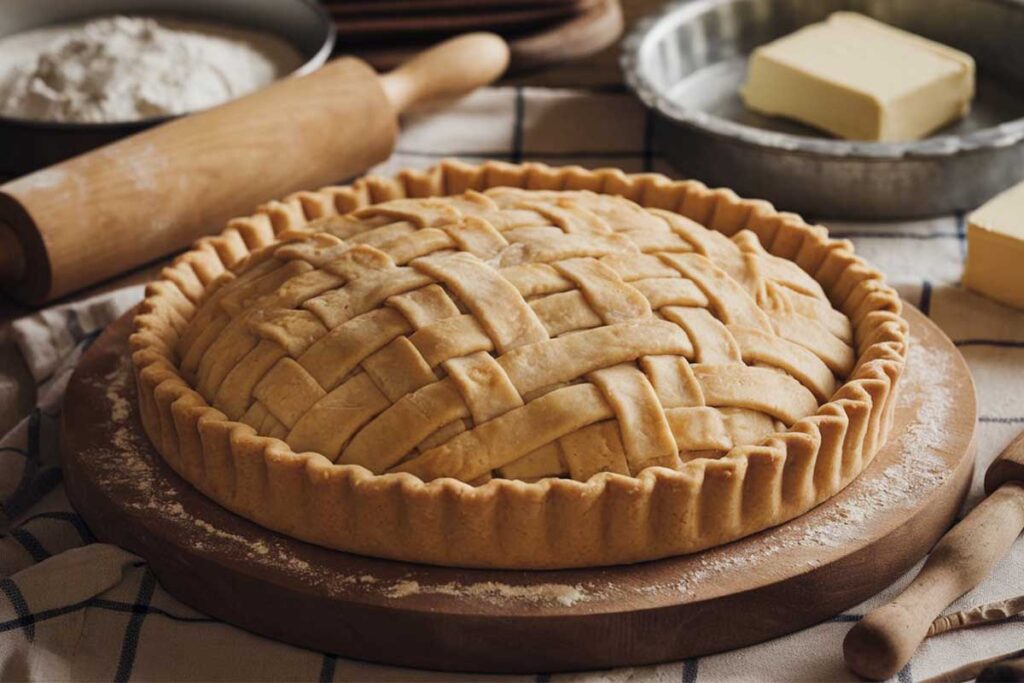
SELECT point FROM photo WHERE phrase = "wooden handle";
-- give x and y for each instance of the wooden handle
(978, 669)
(988, 613)
(12, 256)
(1003, 671)
(455, 67)
(885, 640)
(1008, 466)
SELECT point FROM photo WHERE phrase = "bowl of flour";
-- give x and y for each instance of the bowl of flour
(76, 74)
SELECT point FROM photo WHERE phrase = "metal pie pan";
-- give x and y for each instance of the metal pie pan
(30, 145)
(688, 62)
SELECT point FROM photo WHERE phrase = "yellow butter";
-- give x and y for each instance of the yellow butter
(860, 79)
(995, 248)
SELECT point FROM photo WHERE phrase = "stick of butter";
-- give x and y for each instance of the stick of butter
(995, 248)
(860, 79)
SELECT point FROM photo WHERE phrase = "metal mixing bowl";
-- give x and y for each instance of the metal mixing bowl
(30, 145)
(688, 62)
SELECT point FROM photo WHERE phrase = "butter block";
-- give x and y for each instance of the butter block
(995, 248)
(860, 79)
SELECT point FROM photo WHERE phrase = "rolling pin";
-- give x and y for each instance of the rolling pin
(107, 211)
(880, 644)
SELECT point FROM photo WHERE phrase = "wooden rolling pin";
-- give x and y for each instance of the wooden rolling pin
(880, 644)
(141, 198)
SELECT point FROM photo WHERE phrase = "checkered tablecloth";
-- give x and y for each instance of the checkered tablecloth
(74, 609)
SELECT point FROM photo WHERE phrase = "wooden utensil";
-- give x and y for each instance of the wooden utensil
(883, 641)
(1005, 670)
(999, 668)
(99, 214)
(989, 613)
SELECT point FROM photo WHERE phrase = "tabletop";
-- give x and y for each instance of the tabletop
(114, 621)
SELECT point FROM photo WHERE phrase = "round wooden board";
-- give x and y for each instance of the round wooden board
(574, 38)
(773, 583)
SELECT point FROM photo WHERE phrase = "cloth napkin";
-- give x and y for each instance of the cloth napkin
(75, 609)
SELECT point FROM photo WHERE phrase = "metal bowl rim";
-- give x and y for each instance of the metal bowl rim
(1003, 135)
(318, 59)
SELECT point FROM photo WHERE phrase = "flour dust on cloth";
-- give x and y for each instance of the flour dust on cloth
(78, 610)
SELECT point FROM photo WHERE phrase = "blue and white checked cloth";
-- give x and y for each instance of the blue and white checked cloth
(73, 609)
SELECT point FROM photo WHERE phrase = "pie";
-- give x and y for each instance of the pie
(519, 366)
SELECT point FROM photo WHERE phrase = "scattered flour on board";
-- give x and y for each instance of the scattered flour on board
(491, 591)
(917, 471)
(128, 463)
(120, 409)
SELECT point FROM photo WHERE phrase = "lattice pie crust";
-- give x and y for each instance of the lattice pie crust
(519, 366)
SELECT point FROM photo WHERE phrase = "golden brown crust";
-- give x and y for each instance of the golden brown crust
(609, 519)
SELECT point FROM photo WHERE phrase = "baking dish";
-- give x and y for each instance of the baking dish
(687, 63)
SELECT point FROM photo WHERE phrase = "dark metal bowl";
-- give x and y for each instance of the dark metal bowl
(29, 145)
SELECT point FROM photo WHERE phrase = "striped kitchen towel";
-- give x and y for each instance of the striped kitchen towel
(74, 609)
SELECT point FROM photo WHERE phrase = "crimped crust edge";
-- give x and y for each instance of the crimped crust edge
(553, 523)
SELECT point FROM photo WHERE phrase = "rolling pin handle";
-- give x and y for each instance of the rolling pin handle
(452, 68)
(880, 644)
(12, 256)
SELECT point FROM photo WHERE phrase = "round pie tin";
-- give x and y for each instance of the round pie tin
(688, 62)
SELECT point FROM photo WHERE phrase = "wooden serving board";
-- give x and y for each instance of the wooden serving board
(775, 582)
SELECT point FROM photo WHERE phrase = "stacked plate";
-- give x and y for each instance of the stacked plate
(540, 32)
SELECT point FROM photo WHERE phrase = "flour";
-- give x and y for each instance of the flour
(915, 472)
(494, 592)
(120, 409)
(130, 68)
(127, 462)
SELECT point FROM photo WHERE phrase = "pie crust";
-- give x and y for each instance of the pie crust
(512, 366)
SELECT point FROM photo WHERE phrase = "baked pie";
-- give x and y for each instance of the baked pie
(519, 366)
